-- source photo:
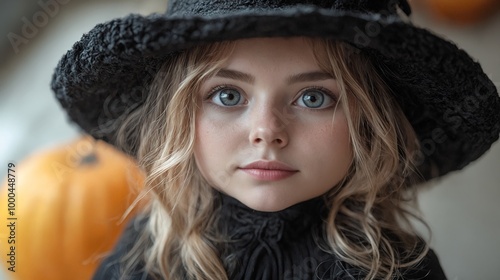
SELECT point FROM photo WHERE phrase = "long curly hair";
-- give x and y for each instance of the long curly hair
(369, 222)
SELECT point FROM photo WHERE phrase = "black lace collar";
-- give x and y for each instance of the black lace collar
(275, 245)
(290, 223)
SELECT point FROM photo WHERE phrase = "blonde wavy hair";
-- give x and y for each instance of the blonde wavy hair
(369, 223)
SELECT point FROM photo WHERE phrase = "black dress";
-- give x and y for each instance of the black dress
(271, 245)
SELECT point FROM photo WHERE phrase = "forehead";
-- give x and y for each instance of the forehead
(281, 54)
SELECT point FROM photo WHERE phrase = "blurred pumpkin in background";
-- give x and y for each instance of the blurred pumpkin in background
(69, 205)
(461, 12)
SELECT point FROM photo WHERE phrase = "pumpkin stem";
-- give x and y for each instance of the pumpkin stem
(89, 159)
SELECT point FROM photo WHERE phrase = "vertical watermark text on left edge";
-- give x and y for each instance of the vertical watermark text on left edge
(11, 216)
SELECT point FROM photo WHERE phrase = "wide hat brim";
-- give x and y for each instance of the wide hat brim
(453, 106)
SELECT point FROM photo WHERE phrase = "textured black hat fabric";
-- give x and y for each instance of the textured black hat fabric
(453, 106)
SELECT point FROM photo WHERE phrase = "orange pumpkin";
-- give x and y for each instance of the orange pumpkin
(69, 202)
(462, 11)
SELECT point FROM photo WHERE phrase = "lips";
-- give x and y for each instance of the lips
(268, 170)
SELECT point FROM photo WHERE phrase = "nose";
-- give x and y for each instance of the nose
(268, 128)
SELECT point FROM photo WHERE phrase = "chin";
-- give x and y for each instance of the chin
(268, 208)
(267, 203)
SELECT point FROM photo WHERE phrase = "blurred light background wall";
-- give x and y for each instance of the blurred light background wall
(462, 209)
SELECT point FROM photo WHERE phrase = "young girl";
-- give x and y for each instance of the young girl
(281, 139)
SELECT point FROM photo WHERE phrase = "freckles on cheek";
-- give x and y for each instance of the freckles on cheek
(219, 125)
(335, 136)
(209, 130)
(204, 148)
(204, 141)
(205, 124)
(212, 137)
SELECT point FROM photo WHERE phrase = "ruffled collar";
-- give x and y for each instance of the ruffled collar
(276, 245)
(291, 223)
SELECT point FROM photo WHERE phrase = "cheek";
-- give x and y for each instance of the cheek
(203, 153)
(331, 146)
(213, 145)
(213, 135)
(206, 143)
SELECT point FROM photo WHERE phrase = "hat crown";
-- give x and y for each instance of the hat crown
(219, 7)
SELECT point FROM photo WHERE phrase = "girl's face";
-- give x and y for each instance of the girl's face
(269, 132)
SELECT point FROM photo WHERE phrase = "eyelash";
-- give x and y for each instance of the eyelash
(214, 90)
(324, 90)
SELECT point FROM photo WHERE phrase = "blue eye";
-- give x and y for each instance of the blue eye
(314, 99)
(226, 97)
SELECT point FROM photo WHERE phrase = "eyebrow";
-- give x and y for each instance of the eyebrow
(297, 78)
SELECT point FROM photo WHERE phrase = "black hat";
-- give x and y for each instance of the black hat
(453, 106)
